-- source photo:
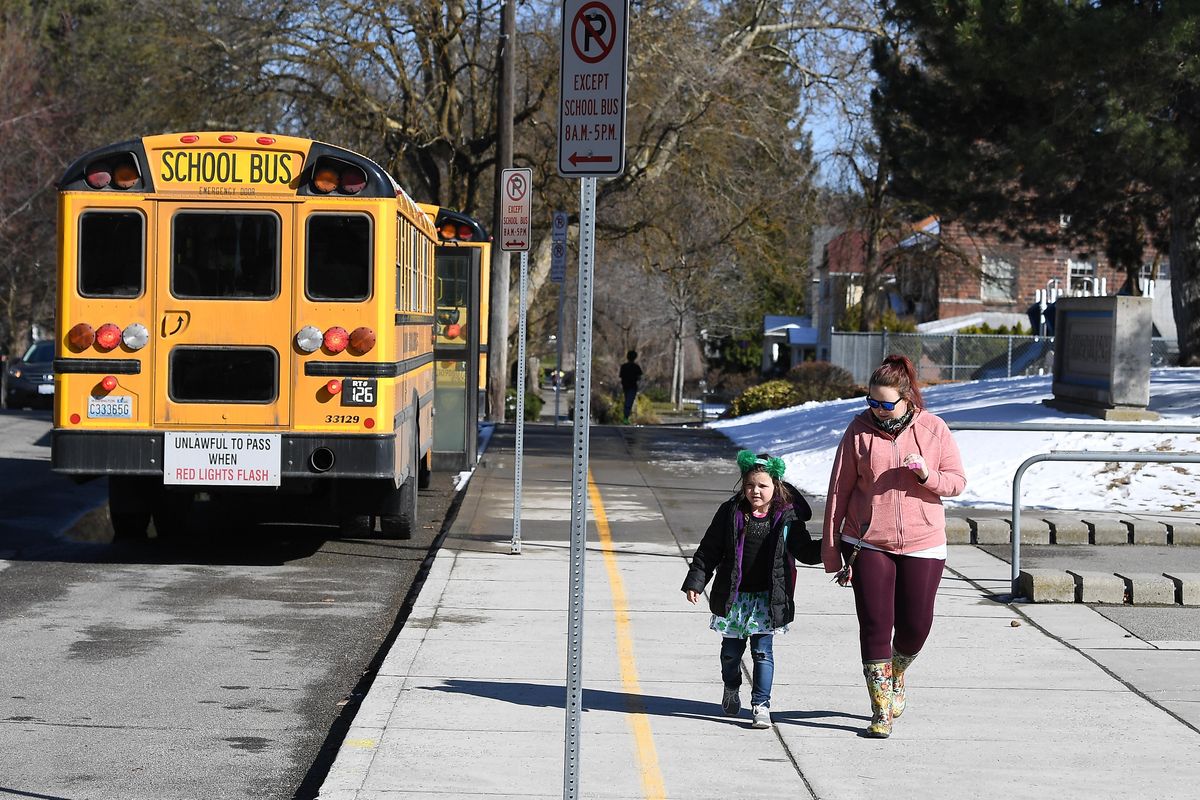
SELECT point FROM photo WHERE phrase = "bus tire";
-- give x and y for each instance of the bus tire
(129, 501)
(171, 513)
(356, 526)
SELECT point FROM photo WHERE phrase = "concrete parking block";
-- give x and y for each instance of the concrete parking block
(1147, 531)
(1067, 530)
(1184, 533)
(1047, 586)
(1149, 589)
(990, 530)
(1107, 531)
(1034, 530)
(1187, 587)
(958, 531)
(1098, 587)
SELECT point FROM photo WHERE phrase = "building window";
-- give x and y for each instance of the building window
(1081, 277)
(999, 280)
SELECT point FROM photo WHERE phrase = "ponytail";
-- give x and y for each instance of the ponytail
(898, 372)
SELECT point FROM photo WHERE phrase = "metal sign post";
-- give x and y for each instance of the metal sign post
(515, 229)
(558, 272)
(579, 470)
(591, 144)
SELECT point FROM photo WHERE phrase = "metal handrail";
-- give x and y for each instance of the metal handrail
(1087, 455)
(1069, 427)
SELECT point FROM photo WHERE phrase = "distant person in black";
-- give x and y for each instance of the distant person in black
(631, 373)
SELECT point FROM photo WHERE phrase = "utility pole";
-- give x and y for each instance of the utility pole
(497, 359)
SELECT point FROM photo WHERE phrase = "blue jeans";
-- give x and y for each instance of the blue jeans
(764, 665)
(630, 396)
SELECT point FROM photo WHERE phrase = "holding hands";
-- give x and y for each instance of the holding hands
(916, 463)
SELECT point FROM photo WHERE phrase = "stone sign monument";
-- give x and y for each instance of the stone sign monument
(1102, 357)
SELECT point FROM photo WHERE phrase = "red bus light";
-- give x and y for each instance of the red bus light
(353, 180)
(334, 386)
(227, 138)
(265, 140)
(109, 383)
(464, 233)
(98, 174)
(191, 138)
(108, 336)
(336, 339)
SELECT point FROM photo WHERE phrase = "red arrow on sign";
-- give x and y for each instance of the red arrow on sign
(577, 159)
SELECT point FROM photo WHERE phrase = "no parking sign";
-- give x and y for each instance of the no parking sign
(591, 114)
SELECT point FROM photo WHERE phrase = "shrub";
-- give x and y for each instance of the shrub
(820, 380)
(606, 409)
(656, 394)
(764, 397)
(643, 411)
(1002, 330)
(533, 406)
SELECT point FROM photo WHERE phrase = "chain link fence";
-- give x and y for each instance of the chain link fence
(961, 357)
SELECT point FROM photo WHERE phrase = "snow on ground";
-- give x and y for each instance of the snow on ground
(806, 436)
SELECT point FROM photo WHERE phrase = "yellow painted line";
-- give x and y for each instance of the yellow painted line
(652, 780)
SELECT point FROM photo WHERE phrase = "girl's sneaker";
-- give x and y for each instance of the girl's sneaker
(731, 702)
(762, 717)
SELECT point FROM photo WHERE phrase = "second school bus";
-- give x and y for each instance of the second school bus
(246, 318)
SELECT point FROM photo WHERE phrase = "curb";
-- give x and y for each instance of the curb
(1065, 529)
(1115, 588)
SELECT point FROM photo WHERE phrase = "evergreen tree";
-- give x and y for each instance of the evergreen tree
(1062, 122)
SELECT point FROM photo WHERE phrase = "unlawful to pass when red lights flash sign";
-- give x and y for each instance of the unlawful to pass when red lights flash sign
(591, 114)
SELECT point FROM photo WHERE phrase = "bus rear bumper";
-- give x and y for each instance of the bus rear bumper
(303, 456)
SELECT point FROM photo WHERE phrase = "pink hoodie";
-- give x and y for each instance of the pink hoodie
(872, 495)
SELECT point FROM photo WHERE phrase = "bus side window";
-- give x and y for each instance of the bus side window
(111, 253)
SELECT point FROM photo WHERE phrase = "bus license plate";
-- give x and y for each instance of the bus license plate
(358, 392)
(110, 408)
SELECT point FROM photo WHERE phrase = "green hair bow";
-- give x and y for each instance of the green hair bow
(747, 460)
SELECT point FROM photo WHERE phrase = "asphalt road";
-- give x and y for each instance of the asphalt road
(224, 665)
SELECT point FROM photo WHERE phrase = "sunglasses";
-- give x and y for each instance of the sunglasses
(884, 404)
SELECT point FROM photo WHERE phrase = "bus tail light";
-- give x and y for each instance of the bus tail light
(325, 179)
(81, 336)
(108, 336)
(309, 338)
(125, 175)
(465, 233)
(352, 181)
(334, 386)
(361, 340)
(135, 336)
(98, 174)
(336, 339)
(108, 383)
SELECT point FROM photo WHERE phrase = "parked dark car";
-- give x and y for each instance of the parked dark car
(30, 382)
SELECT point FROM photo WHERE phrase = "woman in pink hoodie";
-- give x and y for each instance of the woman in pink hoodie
(885, 528)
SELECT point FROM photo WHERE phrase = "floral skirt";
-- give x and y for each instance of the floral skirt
(750, 614)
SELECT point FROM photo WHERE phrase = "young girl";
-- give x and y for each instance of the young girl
(750, 544)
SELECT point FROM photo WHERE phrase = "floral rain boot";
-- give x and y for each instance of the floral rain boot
(879, 687)
(899, 664)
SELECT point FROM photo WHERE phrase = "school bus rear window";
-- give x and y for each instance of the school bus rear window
(225, 255)
(338, 264)
(224, 375)
(111, 253)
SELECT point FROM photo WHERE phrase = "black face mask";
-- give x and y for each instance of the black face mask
(895, 424)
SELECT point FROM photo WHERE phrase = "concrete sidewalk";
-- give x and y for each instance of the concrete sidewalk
(1004, 701)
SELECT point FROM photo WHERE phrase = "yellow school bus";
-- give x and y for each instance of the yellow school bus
(462, 273)
(245, 320)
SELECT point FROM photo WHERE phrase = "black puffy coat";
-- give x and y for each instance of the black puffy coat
(718, 550)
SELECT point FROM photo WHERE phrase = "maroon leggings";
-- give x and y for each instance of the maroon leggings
(893, 592)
